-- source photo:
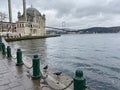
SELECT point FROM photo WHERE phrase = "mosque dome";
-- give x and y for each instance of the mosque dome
(31, 11)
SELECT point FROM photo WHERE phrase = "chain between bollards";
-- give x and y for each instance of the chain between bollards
(27, 66)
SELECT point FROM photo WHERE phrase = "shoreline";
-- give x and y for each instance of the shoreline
(11, 39)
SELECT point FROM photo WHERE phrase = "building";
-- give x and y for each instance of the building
(7, 27)
(31, 22)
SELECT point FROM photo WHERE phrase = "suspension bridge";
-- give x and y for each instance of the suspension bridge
(65, 29)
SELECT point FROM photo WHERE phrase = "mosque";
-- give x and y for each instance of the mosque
(30, 23)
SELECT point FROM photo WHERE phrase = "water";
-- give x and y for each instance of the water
(98, 55)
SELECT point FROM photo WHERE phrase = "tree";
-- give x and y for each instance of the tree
(3, 16)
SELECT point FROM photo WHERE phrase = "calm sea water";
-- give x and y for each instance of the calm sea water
(98, 55)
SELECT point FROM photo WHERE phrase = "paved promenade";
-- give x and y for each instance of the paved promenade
(14, 77)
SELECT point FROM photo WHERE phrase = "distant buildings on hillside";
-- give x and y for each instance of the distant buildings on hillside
(87, 31)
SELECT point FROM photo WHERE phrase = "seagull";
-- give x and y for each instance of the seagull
(58, 73)
(58, 78)
(45, 68)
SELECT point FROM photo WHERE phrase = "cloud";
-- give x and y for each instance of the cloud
(75, 13)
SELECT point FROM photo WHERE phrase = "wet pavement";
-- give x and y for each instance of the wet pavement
(14, 77)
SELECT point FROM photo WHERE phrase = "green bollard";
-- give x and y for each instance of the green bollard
(0, 46)
(79, 81)
(9, 52)
(3, 49)
(0, 38)
(36, 67)
(19, 57)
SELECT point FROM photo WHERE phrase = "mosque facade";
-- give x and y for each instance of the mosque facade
(30, 23)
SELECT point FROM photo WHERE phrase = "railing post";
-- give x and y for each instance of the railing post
(36, 67)
(79, 80)
(9, 52)
(19, 57)
(0, 38)
(3, 49)
(0, 46)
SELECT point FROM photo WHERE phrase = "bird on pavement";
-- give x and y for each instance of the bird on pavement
(45, 68)
(58, 73)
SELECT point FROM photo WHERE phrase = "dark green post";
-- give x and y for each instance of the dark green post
(0, 46)
(0, 43)
(9, 52)
(19, 57)
(0, 38)
(36, 67)
(3, 49)
(79, 81)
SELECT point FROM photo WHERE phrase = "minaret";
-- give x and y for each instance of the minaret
(10, 11)
(24, 10)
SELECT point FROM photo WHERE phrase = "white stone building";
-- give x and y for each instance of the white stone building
(30, 23)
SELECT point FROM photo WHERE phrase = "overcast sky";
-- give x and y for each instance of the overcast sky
(74, 13)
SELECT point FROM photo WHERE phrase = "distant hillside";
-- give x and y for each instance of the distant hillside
(84, 31)
(101, 30)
